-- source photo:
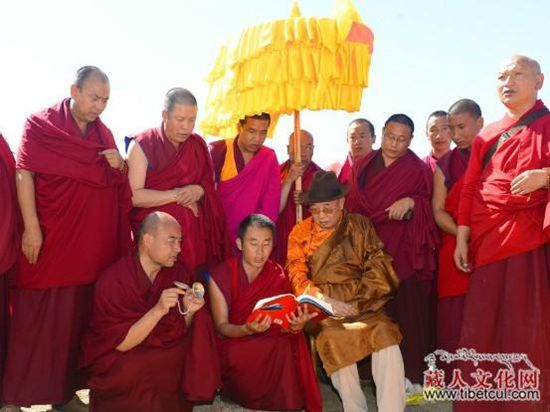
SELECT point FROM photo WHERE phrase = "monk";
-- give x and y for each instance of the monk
(74, 197)
(337, 257)
(393, 188)
(151, 345)
(503, 234)
(263, 366)
(360, 138)
(170, 170)
(290, 197)
(247, 173)
(437, 132)
(465, 123)
(9, 216)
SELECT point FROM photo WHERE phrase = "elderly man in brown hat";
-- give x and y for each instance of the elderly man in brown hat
(338, 257)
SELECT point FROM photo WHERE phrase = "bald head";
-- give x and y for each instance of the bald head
(518, 82)
(306, 147)
(153, 221)
(88, 72)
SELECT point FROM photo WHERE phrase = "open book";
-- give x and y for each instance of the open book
(277, 307)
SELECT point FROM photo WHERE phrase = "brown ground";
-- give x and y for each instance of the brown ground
(330, 400)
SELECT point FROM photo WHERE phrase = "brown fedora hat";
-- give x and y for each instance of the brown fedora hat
(324, 187)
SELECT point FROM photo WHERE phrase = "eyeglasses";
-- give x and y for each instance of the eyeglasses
(326, 210)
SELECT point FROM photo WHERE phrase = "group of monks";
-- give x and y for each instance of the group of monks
(102, 256)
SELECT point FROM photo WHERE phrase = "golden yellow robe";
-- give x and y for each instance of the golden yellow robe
(348, 264)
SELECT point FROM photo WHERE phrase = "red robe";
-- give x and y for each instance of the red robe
(287, 218)
(82, 205)
(173, 366)
(506, 308)
(272, 370)
(431, 161)
(9, 242)
(452, 283)
(411, 244)
(345, 171)
(255, 189)
(205, 239)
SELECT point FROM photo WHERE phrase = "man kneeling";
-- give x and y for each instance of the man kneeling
(150, 347)
(263, 365)
(337, 256)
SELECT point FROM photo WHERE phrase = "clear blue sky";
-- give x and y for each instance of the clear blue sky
(427, 54)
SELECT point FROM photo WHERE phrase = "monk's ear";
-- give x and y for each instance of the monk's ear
(164, 116)
(239, 244)
(74, 91)
(480, 122)
(539, 81)
(341, 203)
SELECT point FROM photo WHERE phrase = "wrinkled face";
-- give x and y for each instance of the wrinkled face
(437, 130)
(396, 139)
(464, 127)
(89, 102)
(360, 140)
(327, 214)
(518, 83)
(252, 134)
(306, 147)
(179, 123)
(256, 246)
(163, 246)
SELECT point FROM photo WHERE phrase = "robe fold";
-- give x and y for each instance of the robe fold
(411, 244)
(271, 370)
(349, 265)
(345, 171)
(82, 205)
(506, 307)
(256, 188)
(205, 239)
(9, 242)
(431, 161)
(287, 218)
(175, 364)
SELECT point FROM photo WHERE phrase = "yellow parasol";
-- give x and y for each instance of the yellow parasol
(284, 66)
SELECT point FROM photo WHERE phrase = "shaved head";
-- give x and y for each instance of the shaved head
(153, 222)
(518, 82)
(306, 147)
(524, 61)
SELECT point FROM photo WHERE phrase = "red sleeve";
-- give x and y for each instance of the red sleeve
(471, 179)
(272, 191)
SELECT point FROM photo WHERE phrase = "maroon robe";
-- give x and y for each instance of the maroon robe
(287, 218)
(411, 243)
(9, 242)
(431, 161)
(82, 205)
(271, 370)
(506, 308)
(173, 366)
(205, 240)
(452, 283)
(345, 171)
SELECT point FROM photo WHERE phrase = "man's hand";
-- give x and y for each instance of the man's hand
(528, 182)
(340, 308)
(298, 198)
(461, 256)
(31, 243)
(299, 319)
(191, 302)
(258, 325)
(294, 172)
(399, 208)
(194, 207)
(113, 157)
(168, 299)
(186, 195)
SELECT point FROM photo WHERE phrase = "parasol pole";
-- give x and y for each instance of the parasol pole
(297, 159)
